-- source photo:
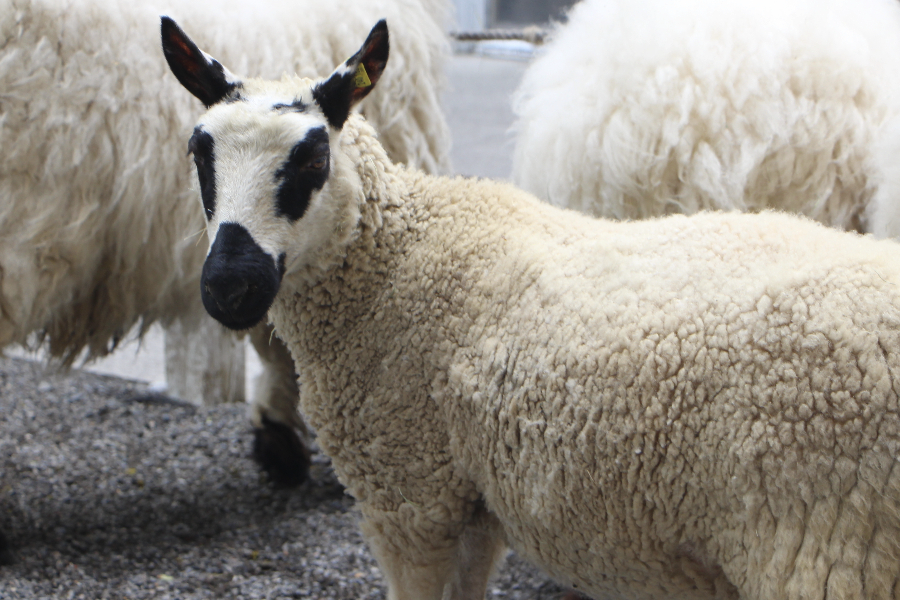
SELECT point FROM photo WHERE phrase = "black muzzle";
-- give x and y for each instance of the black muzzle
(239, 280)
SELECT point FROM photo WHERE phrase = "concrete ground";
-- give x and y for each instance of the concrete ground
(477, 105)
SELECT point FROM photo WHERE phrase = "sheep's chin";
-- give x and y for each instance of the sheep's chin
(242, 324)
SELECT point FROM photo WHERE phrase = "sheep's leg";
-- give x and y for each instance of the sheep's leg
(204, 361)
(277, 447)
(480, 550)
(422, 577)
(454, 568)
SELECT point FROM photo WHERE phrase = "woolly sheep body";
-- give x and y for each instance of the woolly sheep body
(98, 233)
(677, 408)
(650, 107)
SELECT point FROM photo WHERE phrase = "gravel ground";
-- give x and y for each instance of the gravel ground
(110, 491)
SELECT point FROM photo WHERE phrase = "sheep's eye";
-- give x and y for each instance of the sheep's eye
(319, 163)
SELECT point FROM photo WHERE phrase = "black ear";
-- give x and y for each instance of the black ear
(202, 75)
(353, 80)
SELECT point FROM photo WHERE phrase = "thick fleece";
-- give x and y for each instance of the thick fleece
(638, 108)
(98, 225)
(688, 407)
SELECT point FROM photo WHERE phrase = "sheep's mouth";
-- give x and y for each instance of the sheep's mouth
(240, 280)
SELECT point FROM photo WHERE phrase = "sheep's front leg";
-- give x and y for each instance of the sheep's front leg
(480, 550)
(408, 577)
(449, 568)
(277, 448)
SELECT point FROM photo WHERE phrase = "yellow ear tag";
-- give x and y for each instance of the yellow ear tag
(361, 79)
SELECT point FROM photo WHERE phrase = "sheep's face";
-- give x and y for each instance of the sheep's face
(267, 174)
(264, 182)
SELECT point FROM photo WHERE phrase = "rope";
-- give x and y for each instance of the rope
(533, 35)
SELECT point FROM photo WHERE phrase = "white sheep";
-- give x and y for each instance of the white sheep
(639, 108)
(689, 407)
(97, 232)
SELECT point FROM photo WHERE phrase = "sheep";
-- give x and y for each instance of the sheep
(682, 407)
(96, 231)
(638, 108)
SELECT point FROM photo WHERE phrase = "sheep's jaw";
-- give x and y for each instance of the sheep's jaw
(239, 280)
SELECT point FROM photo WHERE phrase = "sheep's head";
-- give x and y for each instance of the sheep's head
(267, 169)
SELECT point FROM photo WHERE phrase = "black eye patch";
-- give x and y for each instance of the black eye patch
(304, 172)
(201, 146)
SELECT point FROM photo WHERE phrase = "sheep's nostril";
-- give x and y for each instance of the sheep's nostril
(228, 296)
(237, 295)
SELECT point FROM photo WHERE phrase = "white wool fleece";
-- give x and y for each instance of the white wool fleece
(98, 228)
(638, 108)
(687, 407)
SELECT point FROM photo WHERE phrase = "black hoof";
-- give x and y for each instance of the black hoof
(281, 454)
(6, 557)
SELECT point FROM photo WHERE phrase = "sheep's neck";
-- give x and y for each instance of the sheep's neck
(371, 335)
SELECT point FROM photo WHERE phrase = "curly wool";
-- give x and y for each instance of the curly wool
(687, 407)
(639, 108)
(98, 228)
